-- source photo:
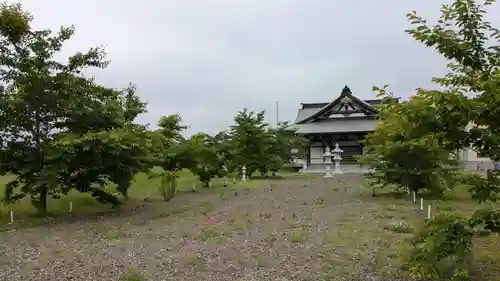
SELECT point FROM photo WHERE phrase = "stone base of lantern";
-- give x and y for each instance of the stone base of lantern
(337, 169)
(328, 172)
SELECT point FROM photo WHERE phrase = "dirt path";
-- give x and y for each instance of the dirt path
(286, 230)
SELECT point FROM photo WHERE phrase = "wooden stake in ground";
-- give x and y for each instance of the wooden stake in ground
(429, 211)
(11, 216)
(414, 197)
(421, 204)
(70, 207)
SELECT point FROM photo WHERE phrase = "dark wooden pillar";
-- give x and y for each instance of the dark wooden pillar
(307, 149)
(308, 154)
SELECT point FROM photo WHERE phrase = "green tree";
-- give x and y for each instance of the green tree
(472, 47)
(409, 148)
(171, 128)
(173, 153)
(284, 142)
(49, 111)
(251, 142)
(207, 161)
(224, 147)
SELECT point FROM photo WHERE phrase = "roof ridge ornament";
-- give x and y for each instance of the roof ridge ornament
(346, 90)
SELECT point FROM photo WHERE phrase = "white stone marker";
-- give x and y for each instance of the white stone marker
(429, 211)
(244, 174)
(421, 204)
(224, 169)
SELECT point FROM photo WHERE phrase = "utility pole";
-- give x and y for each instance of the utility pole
(277, 114)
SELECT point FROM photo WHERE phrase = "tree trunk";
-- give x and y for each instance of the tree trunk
(123, 189)
(43, 199)
(41, 202)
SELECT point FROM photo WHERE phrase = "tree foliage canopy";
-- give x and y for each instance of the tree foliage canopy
(416, 137)
(408, 147)
(60, 130)
(259, 147)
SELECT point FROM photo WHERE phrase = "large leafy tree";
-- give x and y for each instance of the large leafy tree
(102, 143)
(409, 147)
(172, 151)
(251, 142)
(58, 129)
(170, 127)
(472, 47)
(207, 160)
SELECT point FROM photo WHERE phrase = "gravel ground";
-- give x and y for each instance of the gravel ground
(300, 229)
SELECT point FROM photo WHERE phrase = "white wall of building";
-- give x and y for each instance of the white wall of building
(471, 155)
(471, 159)
(317, 153)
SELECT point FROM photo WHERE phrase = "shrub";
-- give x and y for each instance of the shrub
(442, 248)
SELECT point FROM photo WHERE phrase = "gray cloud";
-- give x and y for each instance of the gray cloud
(208, 59)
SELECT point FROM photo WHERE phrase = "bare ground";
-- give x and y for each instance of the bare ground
(300, 229)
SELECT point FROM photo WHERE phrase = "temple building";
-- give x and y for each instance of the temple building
(346, 120)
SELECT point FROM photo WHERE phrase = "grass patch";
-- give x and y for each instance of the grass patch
(298, 236)
(116, 234)
(211, 233)
(319, 201)
(242, 224)
(142, 187)
(394, 207)
(133, 275)
(399, 227)
(193, 260)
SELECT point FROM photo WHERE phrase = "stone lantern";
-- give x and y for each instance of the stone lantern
(327, 160)
(224, 172)
(337, 157)
(244, 174)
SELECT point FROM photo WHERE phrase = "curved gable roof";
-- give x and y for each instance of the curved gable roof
(346, 92)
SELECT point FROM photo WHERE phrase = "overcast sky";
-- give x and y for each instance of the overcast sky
(207, 59)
